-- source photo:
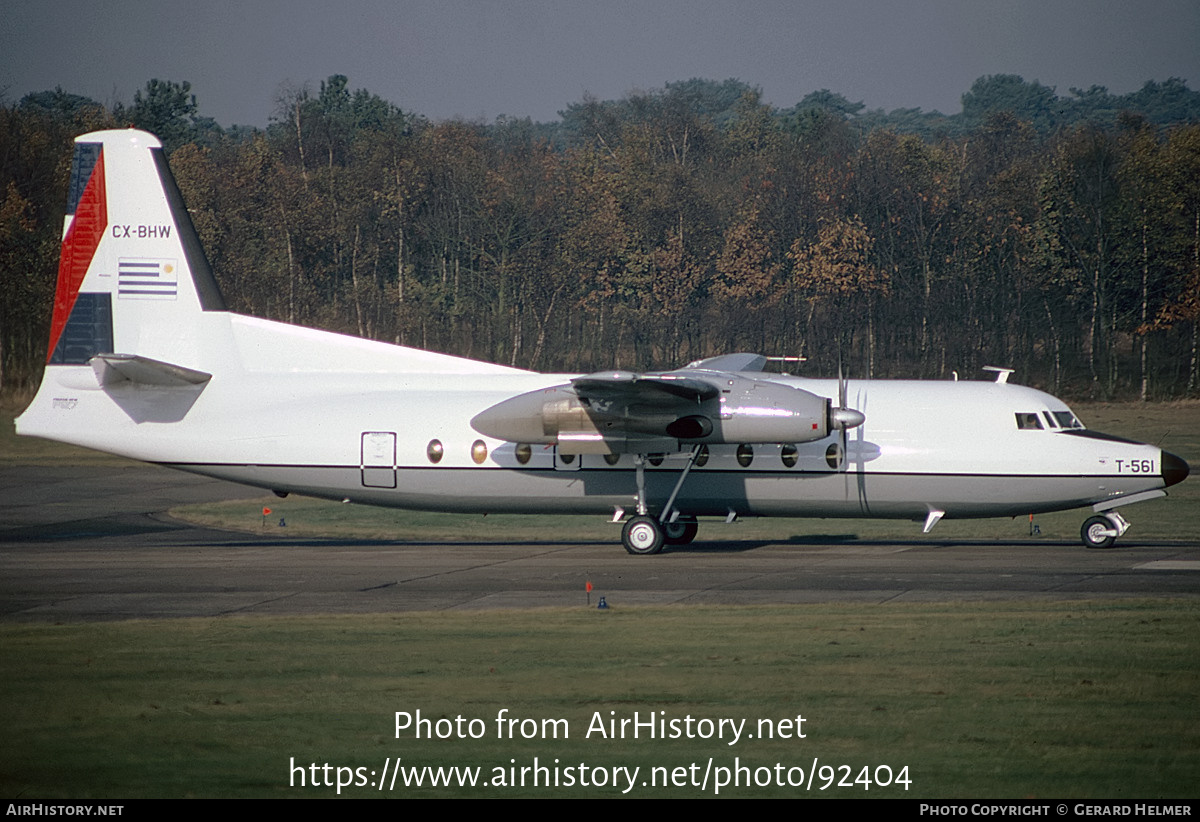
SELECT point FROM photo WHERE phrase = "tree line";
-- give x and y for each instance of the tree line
(1057, 236)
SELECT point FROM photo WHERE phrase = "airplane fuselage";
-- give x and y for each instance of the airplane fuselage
(968, 449)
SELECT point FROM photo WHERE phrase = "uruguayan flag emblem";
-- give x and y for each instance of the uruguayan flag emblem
(142, 279)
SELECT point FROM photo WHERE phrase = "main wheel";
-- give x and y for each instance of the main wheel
(1098, 532)
(680, 532)
(642, 535)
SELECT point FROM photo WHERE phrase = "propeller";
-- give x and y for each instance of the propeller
(843, 418)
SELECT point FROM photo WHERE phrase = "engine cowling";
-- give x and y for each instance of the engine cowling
(743, 410)
(755, 411)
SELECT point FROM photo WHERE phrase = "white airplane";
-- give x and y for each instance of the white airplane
(146, 362)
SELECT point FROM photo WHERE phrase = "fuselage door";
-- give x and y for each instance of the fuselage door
(379, 459)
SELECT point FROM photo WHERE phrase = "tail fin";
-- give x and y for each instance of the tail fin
(132, 271)
(136, 309)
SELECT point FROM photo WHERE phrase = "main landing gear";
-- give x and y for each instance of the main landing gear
(645, 534)
(680, 532)
(642, 535)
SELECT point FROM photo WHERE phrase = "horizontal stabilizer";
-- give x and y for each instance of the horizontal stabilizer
(114, 369)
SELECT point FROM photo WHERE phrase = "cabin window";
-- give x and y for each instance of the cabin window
(654, 459)
(745, 455)
(479, 451)
(789, 454)
(612, 459)
(523, 452)
(1028, 422)
(434, 451)
(1067, 420)
(702, 457)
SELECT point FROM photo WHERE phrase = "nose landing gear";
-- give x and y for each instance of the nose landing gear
(1102, 531)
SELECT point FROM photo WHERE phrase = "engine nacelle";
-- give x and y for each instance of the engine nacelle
(536, 417)
(754, 411)
(742, 411)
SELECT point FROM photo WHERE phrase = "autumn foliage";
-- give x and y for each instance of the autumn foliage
(673, 225)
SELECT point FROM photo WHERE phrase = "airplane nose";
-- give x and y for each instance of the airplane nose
(1174, 469)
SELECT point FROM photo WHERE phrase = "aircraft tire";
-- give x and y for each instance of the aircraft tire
(680, 532)
(1097, 533)
(642, 535)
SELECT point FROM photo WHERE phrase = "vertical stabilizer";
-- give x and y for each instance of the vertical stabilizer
(136, 307)
(132, 276)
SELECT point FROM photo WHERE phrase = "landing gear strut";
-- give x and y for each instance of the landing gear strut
(645, 534)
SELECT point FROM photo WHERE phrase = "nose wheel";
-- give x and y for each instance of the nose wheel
(1098, 532)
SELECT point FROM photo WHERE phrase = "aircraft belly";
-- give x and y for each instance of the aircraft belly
(704, 493)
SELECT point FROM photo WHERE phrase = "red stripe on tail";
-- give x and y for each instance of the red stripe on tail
(78, 249)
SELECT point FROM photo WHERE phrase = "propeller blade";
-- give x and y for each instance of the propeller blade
(844, 418)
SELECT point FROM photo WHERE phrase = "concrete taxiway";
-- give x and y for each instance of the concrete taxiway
(93, 543)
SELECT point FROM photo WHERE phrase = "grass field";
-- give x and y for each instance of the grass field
(980, 700)
(977, 700)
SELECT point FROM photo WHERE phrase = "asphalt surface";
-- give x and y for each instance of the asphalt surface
(94, 543)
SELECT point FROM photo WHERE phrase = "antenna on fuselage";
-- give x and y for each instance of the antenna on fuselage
(1001, 373)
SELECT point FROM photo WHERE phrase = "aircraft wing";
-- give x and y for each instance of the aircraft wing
(696, 382)
(626, 388)
(730, 362)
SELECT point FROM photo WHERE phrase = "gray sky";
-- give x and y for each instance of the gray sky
(449, 58)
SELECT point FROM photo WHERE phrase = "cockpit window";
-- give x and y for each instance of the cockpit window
(1050, 423)
(1067, 420)
(1028, 421)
